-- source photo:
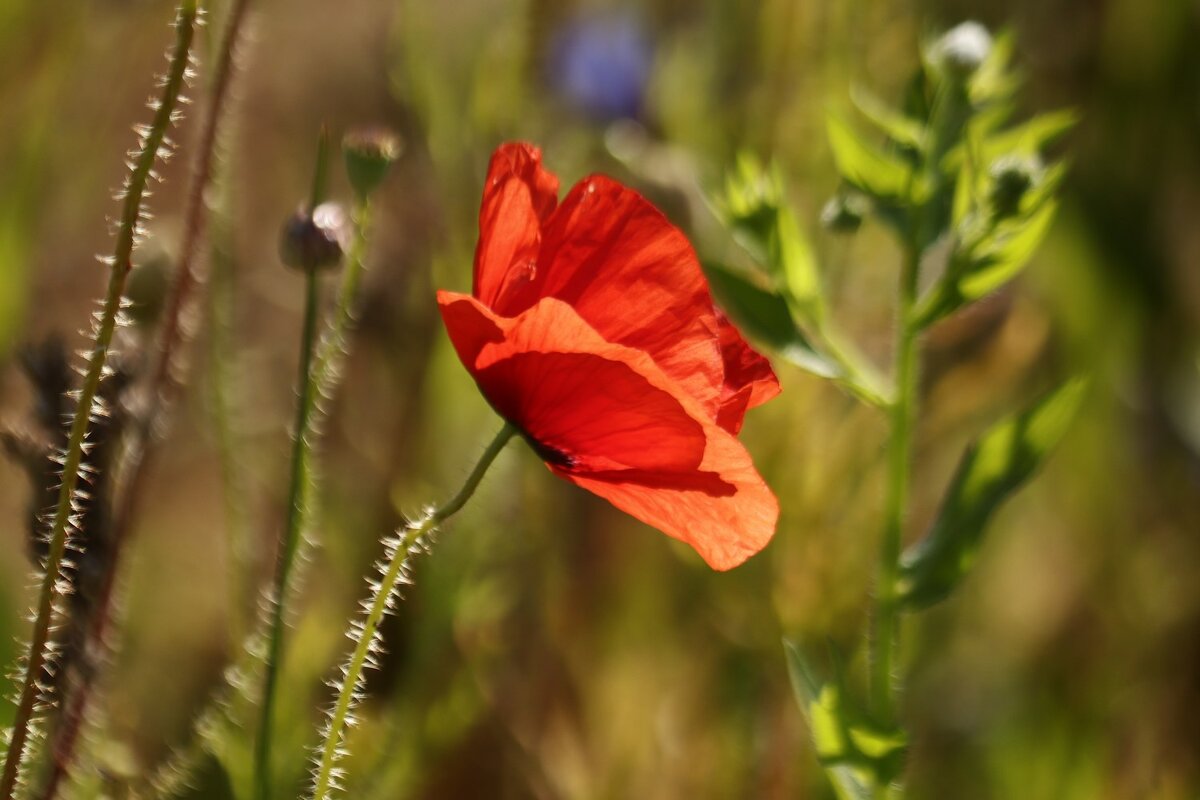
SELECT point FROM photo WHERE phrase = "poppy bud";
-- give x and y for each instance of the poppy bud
(1012, 178)
(844, 213)
(313, 240)
(962, 49)
(368, 155)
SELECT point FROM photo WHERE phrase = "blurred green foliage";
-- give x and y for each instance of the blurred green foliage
(553, 647)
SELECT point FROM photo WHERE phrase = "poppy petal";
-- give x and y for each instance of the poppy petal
(634, 277)
(518, 196)
(749, 379)
(724, 510)
(603, 417)
(585, 403)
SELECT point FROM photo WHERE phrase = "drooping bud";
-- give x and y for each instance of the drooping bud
(1012, 177)
(313, 241)
(844, 213)
(962, 49)
(369, 154)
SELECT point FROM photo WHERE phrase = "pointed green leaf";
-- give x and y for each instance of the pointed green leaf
(988, 257)
(1027, 138)
(995, 81)
(765, 315)
(755, 209)
(901, 129)
(1005, 254)
(794, 254)
(992, 469)
(857, 754)
(1032, 136)
(884, 177)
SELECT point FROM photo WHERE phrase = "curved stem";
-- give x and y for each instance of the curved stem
(903, 412)
(127, 234)
(297, 497)
(165, 380)
(366, 631)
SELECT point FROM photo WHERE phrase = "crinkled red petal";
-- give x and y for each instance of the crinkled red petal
(608, 418)
(518, 195)
(749, 379)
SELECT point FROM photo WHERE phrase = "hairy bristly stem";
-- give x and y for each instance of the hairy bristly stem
(153, 141)
(365, 631)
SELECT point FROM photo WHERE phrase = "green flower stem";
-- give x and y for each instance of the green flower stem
(366, 630)
(903, 414)
(326, 363)
(320, 374)
(297, 496)
(861, 377)
(127, 234)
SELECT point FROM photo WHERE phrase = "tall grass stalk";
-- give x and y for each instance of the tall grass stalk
(153, 145)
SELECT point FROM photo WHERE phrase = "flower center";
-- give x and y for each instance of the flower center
(551, 455)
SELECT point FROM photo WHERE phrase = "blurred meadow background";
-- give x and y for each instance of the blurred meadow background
(552, 647)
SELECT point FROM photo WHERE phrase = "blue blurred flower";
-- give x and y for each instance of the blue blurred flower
(600, 63)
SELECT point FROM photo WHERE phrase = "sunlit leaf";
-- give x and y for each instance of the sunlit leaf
(994, 80)
(996, 264)
(979, 267)
(764, 314)
(1027, 138)
(884, 177)
(857, 754)
(798, 263)
(993, 468)
(1033, 135)
(901, 129)
(755, 209)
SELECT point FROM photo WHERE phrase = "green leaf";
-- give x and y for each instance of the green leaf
(992, 469)
(988, 257)
(1003, 256)
(994, 81)
(765, 315)
(1032, 136)
(857, 754)
(901, 129)
(755, 209)
(793, 254)
(1027, 138)
(882, 176)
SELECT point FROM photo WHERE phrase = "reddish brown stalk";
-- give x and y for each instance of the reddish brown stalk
(165, 382)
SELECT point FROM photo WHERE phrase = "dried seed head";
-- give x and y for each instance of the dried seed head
(844, 212)
(962, 49)
(312, 241)
(369, 154)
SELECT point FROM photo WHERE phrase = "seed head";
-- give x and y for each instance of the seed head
(1012, 177)
(313, 240)
(369, 154)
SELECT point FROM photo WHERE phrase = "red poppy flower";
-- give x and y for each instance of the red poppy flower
(592, 329)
